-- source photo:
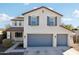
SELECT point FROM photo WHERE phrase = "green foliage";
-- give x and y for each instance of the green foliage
(7, 26)
(77, 27)
(0, 41)
(4, 35)
(69, 27)
(7, 43)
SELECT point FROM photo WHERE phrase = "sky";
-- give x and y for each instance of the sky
(70, 11)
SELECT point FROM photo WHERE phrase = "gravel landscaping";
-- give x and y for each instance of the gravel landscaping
(20, 46)
(2, 49)
(76, 47)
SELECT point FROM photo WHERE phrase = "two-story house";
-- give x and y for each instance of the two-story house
(40, 27)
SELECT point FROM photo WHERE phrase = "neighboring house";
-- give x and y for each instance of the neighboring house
(76, 36)
(1, 31)
(76, 31)
(15, 32)
(40, 27)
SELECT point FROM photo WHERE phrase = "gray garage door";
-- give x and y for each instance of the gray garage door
(39, 40)
(62, 39)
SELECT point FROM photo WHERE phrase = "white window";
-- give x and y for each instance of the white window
(33, 20)
(20, 23)
(15, 23)
(51, 21)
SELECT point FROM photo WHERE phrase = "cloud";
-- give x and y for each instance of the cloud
(66, 19)
(26, 3)
(5, 17)
(35, 7)
(50, 8)
(76, 13)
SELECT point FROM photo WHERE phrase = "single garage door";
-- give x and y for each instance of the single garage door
(62, 39)
(39, 40)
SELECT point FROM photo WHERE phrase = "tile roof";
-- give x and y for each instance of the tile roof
(15, 29)
(40, 8)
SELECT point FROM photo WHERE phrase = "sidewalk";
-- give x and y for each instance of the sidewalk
(71, 51)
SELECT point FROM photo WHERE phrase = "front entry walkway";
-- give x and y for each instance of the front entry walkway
(12, 49)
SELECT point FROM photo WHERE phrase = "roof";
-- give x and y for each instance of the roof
(20, 18)
(66, 28)
(15, 29)
(40, 8)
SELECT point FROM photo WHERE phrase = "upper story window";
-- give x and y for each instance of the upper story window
(15, 23)
(20, 23)
(51, 21)
(33, 20)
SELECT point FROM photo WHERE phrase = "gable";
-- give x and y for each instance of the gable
(42, 9)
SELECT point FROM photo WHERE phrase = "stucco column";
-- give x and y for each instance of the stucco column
(25, 41)
(54, 40)
(8, 35)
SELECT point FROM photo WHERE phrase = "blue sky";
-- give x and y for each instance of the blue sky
(10, 10)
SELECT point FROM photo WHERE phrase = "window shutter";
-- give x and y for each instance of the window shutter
(37, 20)
(56, 21)
(47, 20)
(29, 20)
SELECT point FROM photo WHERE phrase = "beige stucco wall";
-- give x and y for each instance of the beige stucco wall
(43, 28)
(42, 21)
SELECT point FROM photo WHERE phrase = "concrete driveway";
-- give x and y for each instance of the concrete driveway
(38, 50)
(45, 50)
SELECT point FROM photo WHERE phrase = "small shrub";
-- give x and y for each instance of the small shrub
(1, 39)
(7, 43)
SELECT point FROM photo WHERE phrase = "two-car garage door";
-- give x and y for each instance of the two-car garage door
(40, 40)
(46, 40)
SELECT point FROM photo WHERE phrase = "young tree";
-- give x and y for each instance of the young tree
(77, 27)
(7, 26)
(69, 27)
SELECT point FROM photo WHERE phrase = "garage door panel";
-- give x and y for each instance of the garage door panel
(39, 40)
(62, 39)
